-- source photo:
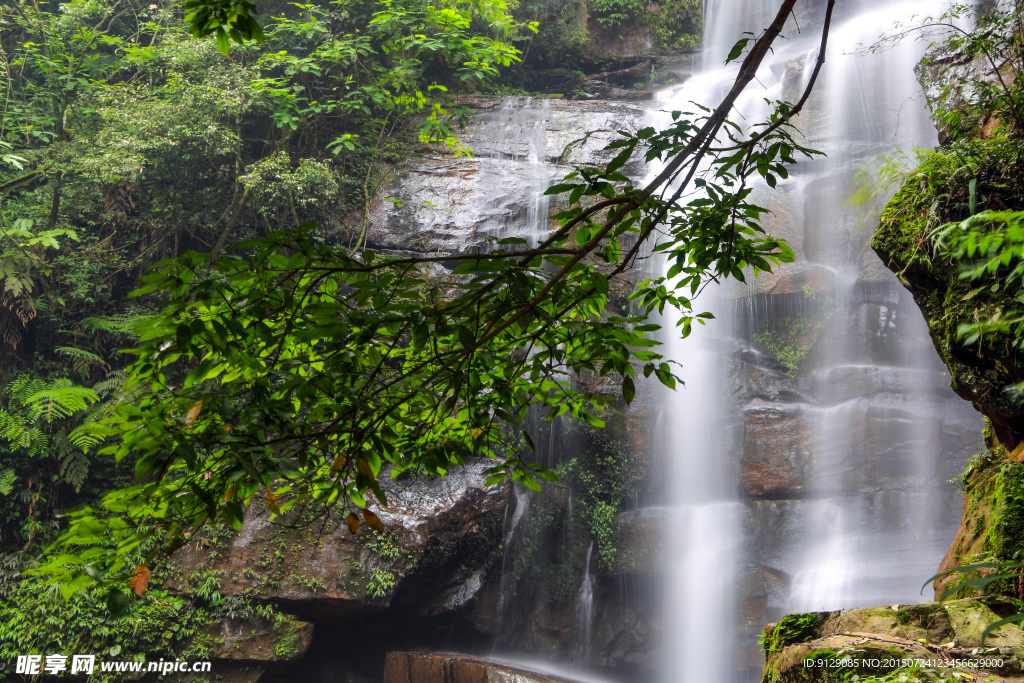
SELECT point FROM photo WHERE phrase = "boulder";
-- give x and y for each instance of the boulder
(826, 646)
(970, 618)
(261, 641)
(441, 538)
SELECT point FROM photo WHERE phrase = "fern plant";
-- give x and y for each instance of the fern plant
(32, 422)
(990, 249)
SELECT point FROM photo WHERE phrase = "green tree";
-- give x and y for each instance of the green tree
(124, 140)
(41, 458)
(294, 373)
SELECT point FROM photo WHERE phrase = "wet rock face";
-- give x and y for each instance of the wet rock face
(777, 446)
(445, 204)
(441, 539)
(949, 78)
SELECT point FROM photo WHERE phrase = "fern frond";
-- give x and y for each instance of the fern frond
(61, 399)
(119, 323)
(84, 440)
(7, 477)
(24, 386)
(79, 354)
(83, 359)
(73, 468)
(111, 384)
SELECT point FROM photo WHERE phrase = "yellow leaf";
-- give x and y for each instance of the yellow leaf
(193, 413)
(272, 503)
(373, 521)
(364, 469)
(339, 462)
(229, 493)
(140, 580)
(353, 522)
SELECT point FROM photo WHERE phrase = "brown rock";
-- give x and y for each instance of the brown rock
(777, 446)
(264, 642)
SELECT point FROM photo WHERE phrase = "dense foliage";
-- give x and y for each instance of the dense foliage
(125, 141)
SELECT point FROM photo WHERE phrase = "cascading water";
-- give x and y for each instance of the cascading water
(522, 135)
(823, 372)
(584, 607)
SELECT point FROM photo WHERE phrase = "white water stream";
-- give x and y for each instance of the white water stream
(869, 520)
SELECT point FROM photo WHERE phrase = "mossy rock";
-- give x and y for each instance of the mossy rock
(970, 618)
(927, 622)
(992, 528)
(284, 639)
(938, 192)
(884, 638)
(819, 660)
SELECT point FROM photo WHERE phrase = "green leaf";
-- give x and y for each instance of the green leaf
(531, 483)
(737, 49)
(223, 44)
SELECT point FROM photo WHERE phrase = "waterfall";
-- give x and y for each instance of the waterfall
(521, 136)
(860, 427)
(585, 608)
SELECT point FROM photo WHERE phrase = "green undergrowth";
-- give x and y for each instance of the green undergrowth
(789, 338)
(35, 619)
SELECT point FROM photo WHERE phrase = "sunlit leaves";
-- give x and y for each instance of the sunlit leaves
(228, 20)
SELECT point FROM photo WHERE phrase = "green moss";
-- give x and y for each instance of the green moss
(915, 615)
(795, 628)
(994, 516)
(1011, 524)
(288, 642)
